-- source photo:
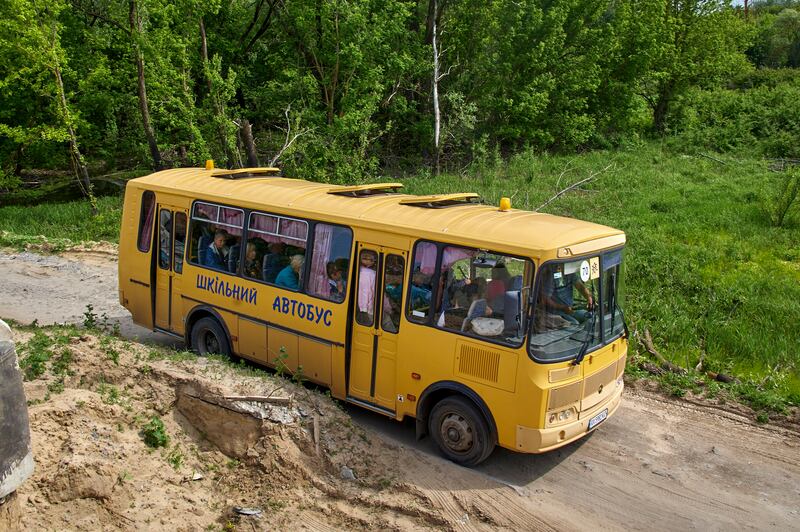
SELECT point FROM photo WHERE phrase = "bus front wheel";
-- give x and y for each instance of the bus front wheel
(460, 431)
(209, 338)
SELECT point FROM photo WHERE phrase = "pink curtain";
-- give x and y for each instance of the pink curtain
(262, 222)
(452, 254)
(147, 227)
(209, 212)
(425, 260)
(296, 230)
(323, 241)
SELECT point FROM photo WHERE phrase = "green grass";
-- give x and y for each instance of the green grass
(60, 224)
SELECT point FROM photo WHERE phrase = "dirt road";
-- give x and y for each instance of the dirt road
(658, 464)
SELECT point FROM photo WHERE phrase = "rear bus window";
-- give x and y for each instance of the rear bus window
(216, 236)
(146, 221)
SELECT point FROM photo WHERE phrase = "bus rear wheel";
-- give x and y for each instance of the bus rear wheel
(460, 431)
(208, 338)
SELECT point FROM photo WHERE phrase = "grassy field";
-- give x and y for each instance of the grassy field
(707, 273)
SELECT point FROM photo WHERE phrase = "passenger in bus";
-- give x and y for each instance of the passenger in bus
(420, 290)
(392, 297)
(289, 277)
(366, 287)
(558, 294)
(336, 283)
(478, 307)
(252, 265)
(217, 252)
(274, 261)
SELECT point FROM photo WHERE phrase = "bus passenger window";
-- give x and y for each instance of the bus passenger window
(422, 281)
(164, 238)
(273, 242)
(216, 236)
(180, 241)
(330, 262)
(146, 221)
(392, 293)
(481, 294)
(366, 287)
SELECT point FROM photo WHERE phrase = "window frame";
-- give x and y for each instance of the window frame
(600, 300)
(140, 233)
(430, 320)
(190, 228)
(310, 238)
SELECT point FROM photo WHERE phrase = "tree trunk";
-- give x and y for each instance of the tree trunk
(662, 107)
(144, 107)
(78, 163)
(249, 144)
(436, 113)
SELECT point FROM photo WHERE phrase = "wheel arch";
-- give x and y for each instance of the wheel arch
(204, 311)
(438, 391)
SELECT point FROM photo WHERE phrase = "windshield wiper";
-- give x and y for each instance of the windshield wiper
(590, 334)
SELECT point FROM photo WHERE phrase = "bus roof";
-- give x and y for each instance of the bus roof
(483, 226)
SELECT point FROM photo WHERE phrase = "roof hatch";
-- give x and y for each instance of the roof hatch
(371, 189)
(242, 173)
(438, 201)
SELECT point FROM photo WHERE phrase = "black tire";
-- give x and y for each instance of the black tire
(209, 338)
(460, 431)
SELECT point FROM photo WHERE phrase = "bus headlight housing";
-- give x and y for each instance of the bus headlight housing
(559, 417)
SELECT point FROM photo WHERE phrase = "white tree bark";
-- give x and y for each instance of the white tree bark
(437, 119)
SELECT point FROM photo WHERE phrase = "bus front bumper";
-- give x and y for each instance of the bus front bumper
(530, 440)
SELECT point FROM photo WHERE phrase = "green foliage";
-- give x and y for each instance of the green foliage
(785, 198)
(155, 434)
(759, 114)
(42, 347)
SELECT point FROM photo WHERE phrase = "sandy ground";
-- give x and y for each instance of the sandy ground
(658, 464)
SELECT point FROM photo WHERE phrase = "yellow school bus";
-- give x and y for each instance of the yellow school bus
(488, 325)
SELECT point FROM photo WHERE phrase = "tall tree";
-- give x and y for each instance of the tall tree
(135, 23)
(700, 42)
(32, 34)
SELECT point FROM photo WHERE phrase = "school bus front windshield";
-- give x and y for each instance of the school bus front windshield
(578, 307)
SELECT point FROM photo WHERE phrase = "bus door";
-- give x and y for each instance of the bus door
(375, 325)
(169, 268)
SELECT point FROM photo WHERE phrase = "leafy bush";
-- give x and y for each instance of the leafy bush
(760, 113)
(154, 434)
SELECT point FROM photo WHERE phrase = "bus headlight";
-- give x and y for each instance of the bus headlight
(561, 416)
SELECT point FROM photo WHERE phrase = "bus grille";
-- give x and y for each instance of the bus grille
(479, 363)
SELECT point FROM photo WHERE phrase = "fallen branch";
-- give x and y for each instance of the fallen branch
(714, 159)
(288, 142)
(647, 343)
(573, 186)
(259, 399)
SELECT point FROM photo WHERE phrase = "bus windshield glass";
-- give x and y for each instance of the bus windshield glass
(578, 307)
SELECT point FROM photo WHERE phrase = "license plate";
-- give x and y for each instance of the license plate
(599, 418)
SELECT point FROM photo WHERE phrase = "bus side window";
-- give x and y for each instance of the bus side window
(367, 279)
(164, 239)
(422, 281)
(272, 242)
(330, 262)
(392, 293)
(146, 221)
(216, 235)
(180, 241)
